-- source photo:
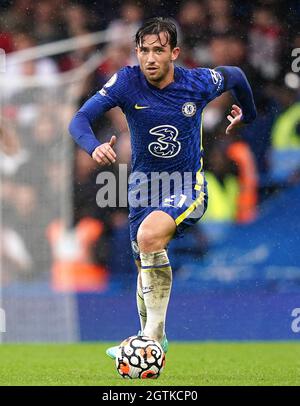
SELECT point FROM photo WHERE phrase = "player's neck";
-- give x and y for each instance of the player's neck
(169, 78)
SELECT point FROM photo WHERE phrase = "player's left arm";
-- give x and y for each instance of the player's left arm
(235, 80)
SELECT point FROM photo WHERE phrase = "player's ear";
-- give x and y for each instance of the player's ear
(175, 53)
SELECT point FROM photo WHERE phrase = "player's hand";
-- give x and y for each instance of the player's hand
(104, 154)
(235, 119)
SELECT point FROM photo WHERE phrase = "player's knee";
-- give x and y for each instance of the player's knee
(148, 240)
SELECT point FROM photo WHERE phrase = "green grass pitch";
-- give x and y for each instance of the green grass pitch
(193, 364)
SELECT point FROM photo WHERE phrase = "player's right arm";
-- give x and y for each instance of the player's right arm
(80, 126)
(82, 133)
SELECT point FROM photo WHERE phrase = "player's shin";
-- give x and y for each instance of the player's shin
(141, 303)
(156, 275)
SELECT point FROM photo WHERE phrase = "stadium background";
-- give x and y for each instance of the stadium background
(66, 268)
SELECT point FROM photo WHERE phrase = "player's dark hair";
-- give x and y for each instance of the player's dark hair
(155, 26)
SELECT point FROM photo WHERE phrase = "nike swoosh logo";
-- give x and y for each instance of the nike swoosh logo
(147, 289)
(137, 107)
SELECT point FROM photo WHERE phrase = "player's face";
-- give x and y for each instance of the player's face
(156, 58)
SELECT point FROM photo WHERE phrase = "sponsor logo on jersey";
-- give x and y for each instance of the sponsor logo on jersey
(166, 145)
(216, 78)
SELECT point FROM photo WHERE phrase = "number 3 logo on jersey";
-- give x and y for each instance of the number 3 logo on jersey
(166, 145)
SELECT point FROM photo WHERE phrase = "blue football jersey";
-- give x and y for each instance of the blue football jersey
(166, 138)
(165, 124)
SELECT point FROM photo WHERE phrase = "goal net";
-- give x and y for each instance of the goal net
(36, 170)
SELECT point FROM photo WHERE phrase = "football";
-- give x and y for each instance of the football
(140, 357)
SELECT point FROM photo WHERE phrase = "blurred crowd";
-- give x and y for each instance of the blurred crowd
(242, 171)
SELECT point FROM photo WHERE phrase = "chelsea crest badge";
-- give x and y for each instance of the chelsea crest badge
(189, 109)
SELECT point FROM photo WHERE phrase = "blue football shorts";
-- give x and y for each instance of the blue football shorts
(185, 212)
